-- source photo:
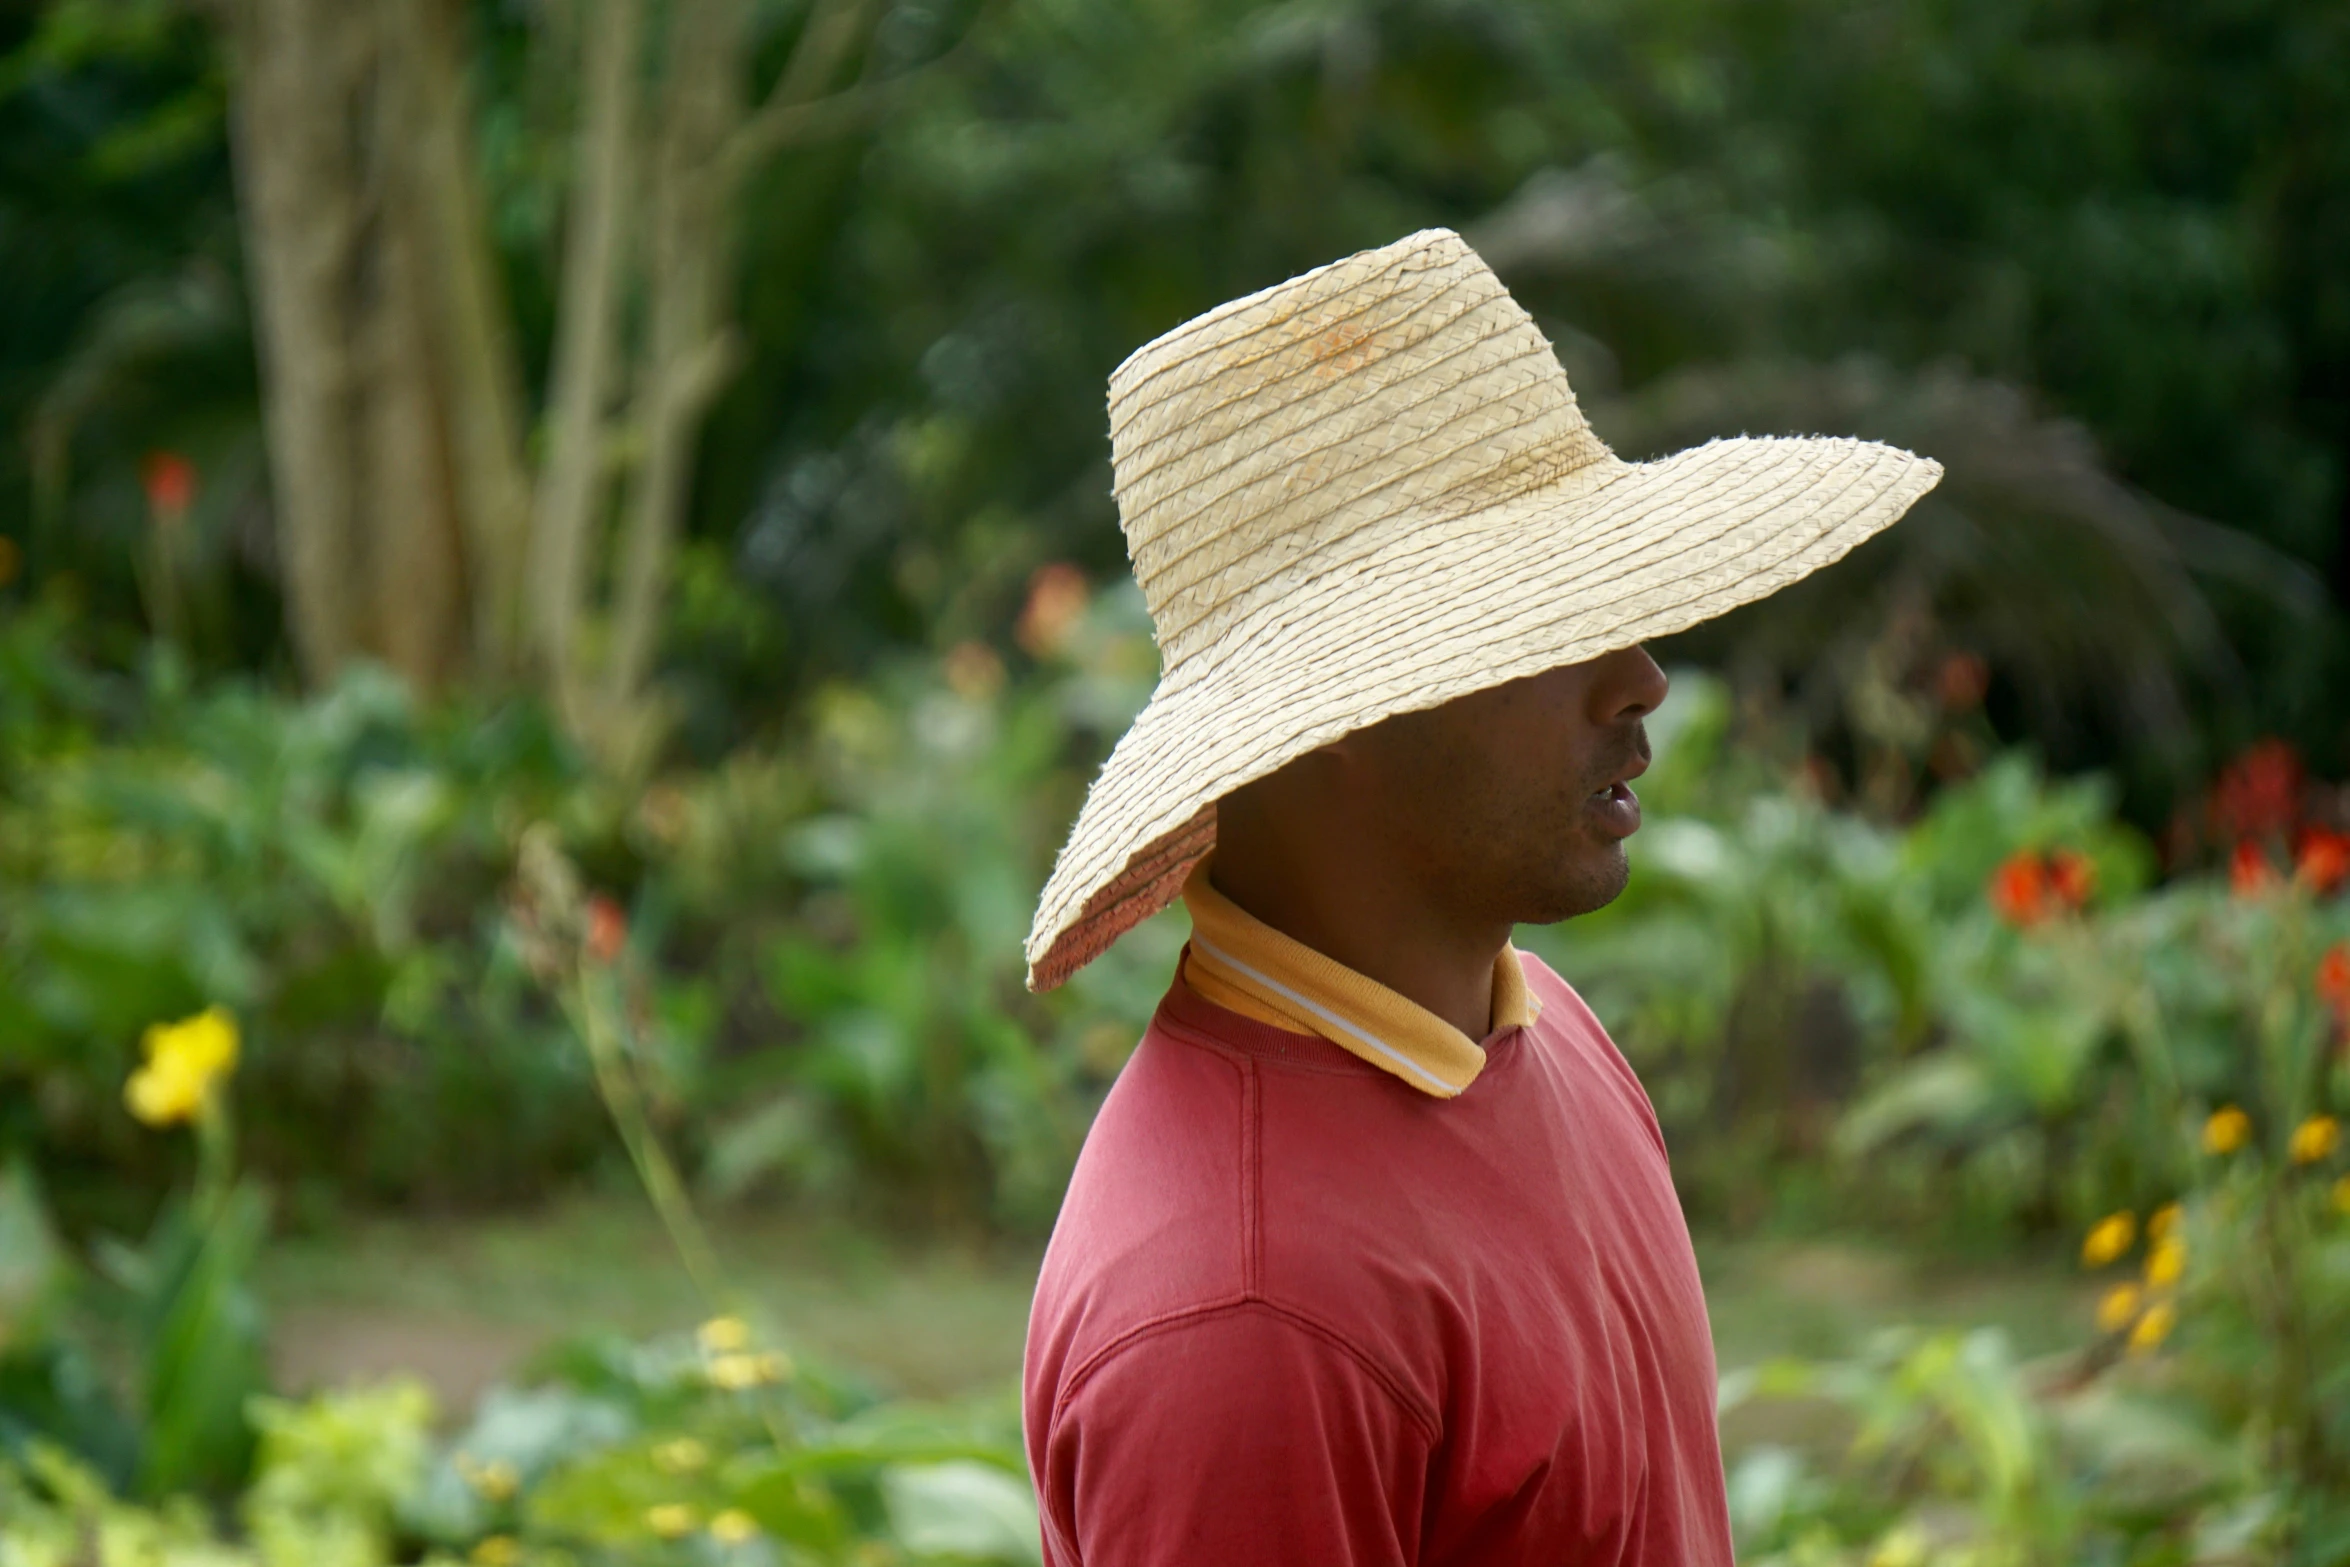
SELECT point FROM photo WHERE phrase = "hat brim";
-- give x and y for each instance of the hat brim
(1601, 561)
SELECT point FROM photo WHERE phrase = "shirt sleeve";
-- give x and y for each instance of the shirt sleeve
(1243, 1436)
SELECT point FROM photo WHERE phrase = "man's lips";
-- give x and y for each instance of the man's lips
(1615, 810)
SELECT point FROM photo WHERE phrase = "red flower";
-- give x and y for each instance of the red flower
(2324, 863)
(2073, 877)
(170, 482)
(2019, 890)
(607, 929)
(1962, 680)
(2250, 871)
(2333, 978)
(2259, 792)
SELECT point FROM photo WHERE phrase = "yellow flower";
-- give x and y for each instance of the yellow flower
(2108, 1239)
(162, 1098)
(2165, 1263)
(2161, 1222)
(2316, 1139)
(775, 1366)
(205, 1044)
(733, 1526)
(2154, 1327)
(1902, 1547)
(184, 1060)
(670, 1520)
(494, 1481)
(498, 1550)
(2227, 1130)
(680, 1455)
(724, 1335)
(734, 1373)
(2119, 1308)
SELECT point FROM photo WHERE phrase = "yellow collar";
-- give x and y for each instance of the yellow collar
(1244, 965)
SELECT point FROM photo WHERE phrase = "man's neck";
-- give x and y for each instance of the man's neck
(1359, 912)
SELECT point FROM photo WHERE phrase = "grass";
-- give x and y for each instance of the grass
(461, 1301)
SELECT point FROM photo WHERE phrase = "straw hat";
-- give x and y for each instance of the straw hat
(1367, 491)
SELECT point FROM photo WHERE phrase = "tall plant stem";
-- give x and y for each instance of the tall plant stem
(655, 1170)
(616, 1083)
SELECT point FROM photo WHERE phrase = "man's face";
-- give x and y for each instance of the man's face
(1514, 801)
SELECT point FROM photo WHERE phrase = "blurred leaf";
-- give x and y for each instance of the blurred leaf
(962, 1510)
(203, 1355)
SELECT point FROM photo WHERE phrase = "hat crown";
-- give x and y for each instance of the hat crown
(1281, 436)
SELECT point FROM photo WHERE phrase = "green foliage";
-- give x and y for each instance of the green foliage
(922, 1055)
(1923, 221)
(322, 869)
(193, 1315)
(1800, 984)
(622, 1454)
(1955, 1453)
(2203, 1422)
(822, 975)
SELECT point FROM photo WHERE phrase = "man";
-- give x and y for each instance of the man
(1373, 1256)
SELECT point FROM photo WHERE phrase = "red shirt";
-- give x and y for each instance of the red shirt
(1296, 1312)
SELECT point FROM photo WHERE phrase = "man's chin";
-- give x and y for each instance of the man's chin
(1586, 884)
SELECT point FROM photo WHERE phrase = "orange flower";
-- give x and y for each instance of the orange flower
(2259, 792)
(2250, 871)
(1056, 601)
(2073, 876)
(607, 929)
(2019, 889)
(2324, 862)
(2333, 978)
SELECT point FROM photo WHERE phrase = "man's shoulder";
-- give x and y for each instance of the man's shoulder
(1153, 1216)
(1569, 1026)
(1562, 1005)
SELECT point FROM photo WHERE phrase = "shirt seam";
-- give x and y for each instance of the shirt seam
(1184, 1316)
(1501, 1050)
(1353, 1066)
(1252, 1180)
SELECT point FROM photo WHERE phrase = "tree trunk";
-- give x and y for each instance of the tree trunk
(470, 332)
(413, 561)
(357, 421)
(688, 352)
(298, 65)
(573, 480)
(410, 522)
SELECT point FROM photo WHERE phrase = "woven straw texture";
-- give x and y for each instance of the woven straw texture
(1369, 490)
